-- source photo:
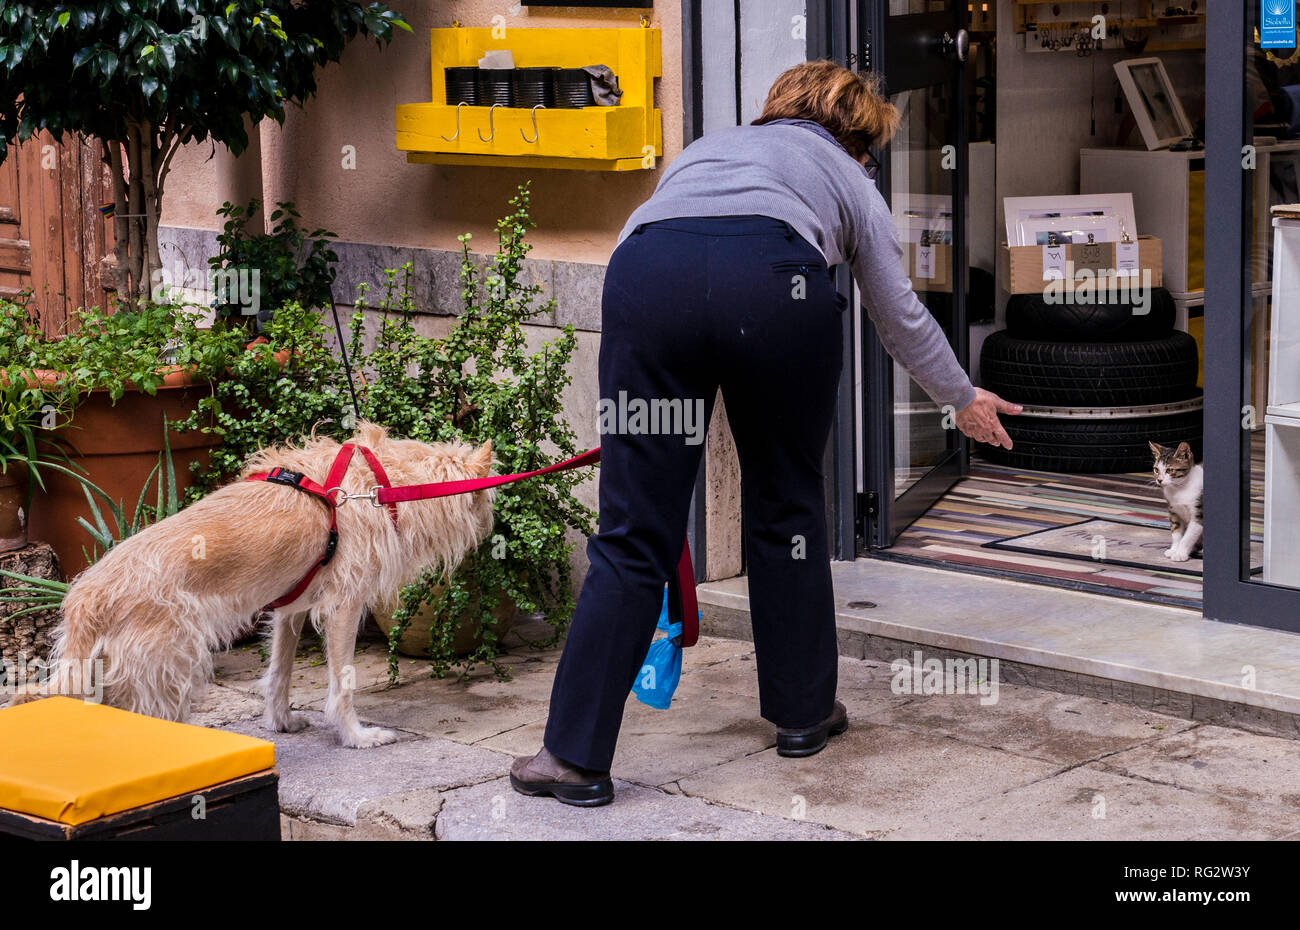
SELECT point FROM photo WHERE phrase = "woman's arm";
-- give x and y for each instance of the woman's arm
(909, 333)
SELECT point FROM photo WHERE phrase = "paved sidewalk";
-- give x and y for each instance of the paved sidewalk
(1034, 765)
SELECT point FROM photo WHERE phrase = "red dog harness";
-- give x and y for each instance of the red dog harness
(325, 493)
(383, 494)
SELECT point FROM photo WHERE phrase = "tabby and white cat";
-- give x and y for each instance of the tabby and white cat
(1182, 481)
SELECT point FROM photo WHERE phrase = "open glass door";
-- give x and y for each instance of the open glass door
(911, 454)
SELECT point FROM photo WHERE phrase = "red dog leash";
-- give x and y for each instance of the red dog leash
(383, 494)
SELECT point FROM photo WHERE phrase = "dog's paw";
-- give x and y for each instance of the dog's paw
(288, 723)
(1174, 555)
(368, 737)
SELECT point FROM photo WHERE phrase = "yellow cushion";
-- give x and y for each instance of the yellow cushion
(69, 761)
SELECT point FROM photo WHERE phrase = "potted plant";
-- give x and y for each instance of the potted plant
(124, 373)
(28, 414)
(115, 380)
(481, 382)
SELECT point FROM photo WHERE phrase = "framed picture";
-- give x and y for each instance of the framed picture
(1069, 229)
(1119, 206)
(1154, 102)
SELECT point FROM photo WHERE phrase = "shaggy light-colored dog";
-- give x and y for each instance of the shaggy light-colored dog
(156, 606)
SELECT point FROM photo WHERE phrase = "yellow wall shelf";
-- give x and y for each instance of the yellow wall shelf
(627, 137)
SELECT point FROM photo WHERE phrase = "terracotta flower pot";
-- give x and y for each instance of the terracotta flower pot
(118, 445)
(281, 356)
(13, 504)
(415, 641)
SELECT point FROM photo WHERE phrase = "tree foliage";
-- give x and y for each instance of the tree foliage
(148, 76)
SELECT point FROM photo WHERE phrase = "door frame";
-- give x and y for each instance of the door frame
(847, 31)
(830, 35)
(1226, 596)
(1228, 198)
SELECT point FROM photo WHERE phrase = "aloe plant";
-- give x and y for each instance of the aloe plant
(37, 594)
(44, 594)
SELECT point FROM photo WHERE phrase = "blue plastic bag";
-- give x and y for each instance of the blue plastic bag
(662, 669)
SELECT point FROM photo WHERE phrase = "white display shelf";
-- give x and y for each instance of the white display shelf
(1284, 350)
(1282, 417)
(1283, 414)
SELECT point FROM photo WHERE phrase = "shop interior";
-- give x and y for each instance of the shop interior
(1085, 123)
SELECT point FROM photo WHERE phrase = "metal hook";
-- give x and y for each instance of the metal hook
(492, 130)
(535, 132)
(456, 135)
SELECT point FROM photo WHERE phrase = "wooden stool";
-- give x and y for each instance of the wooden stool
(72, 770)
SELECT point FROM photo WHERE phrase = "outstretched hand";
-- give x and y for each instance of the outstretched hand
(979, 419)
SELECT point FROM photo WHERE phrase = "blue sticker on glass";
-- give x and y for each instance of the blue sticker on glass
(1277, 24)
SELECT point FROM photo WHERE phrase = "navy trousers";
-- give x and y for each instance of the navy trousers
(692, 305)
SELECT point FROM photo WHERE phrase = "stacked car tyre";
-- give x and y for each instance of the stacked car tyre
(1098, 380)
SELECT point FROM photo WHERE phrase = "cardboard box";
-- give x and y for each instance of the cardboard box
(1027, 269)
(934, 275)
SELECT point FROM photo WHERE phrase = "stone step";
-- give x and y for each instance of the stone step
(1165, 659)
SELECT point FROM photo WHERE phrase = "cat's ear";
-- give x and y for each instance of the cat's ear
(1184, 451)
(1156, 449)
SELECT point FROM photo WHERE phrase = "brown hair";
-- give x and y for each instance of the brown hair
(849, 105)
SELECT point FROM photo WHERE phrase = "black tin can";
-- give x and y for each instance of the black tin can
(573, 88)
(462, 85)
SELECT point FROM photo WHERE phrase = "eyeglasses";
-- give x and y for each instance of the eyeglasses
(872, 167)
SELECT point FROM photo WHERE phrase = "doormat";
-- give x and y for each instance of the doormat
(1136, 545)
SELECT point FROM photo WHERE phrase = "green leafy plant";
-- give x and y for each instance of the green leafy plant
(479, 382)
(283, 388)
(137, 348)
(482, 382)
(285, 265)
(27, 415)
(148, 76)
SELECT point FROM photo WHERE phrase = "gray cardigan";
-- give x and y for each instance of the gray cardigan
(784, 171)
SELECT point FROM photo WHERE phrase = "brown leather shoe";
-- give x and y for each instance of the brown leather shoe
(812, 740)
(545, 775)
